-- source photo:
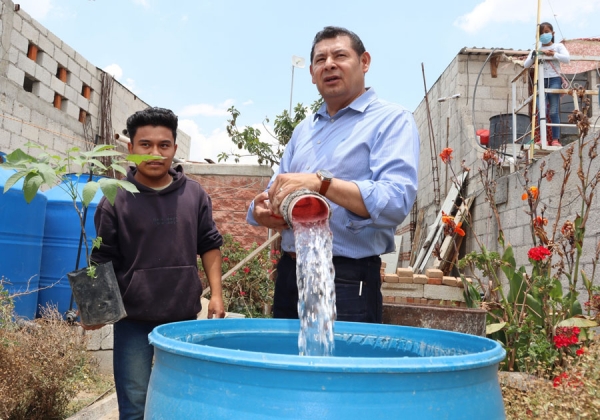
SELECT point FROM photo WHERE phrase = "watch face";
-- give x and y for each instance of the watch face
(324, 173)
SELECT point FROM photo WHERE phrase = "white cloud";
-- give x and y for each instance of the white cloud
(248, 102)
(207, 110)
(509, 11)
(37, 9)
(129, 83)
(143, 3)
(210, 146)
(114, 70)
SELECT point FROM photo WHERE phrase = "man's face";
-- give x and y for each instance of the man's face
(155, 141)
(338, 71)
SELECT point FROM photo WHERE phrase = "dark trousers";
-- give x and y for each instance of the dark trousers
(354, 301)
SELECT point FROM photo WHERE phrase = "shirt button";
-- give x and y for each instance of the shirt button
(319, 142)
(332, 120)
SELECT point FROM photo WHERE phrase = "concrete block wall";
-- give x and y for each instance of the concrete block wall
(491, 99)
(59, 128)
(232, 188)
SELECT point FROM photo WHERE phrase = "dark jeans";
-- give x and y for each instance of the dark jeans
(354, 302)
(132, 365)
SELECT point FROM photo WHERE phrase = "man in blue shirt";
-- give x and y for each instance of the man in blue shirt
(361, 153)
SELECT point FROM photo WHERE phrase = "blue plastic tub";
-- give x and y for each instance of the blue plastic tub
(249, 369)
(21, 232)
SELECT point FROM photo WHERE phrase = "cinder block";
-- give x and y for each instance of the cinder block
(402, 289)
(61, 57)
(43, 75)
(57, 85)
(13, 55)
(26, 64)
(30, 132)
(73, 66)
(390, 278)
(420, 279)
(29, 32)
(15, 74)
(442, 292)
(449, 281)
(404, 272)
(46, 45)
(43, 92)
(70, 108)
(434, 273)
(71, 94)
(19, 41)
(47, 62)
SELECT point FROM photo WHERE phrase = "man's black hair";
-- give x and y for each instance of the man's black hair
(329, 32)
(152, 116)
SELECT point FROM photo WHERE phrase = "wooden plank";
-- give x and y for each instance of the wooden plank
(391, 258)
(417, 238)
(447, 250)
(435, 229)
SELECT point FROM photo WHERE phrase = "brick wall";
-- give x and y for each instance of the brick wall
(232, 188)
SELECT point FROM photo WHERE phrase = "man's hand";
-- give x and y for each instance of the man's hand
(216, 309)
(285, 184)
(264, 216)
(91, 327)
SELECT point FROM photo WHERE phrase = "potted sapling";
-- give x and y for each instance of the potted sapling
(95, 288)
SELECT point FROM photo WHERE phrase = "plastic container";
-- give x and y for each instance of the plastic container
(484, 136)
(21, 233)
(501, 129)
(249, 369)
(61, 241)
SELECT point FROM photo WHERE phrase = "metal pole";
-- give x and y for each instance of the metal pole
(291, 91)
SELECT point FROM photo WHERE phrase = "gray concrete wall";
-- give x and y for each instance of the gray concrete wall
(31, 116)
(453, 127)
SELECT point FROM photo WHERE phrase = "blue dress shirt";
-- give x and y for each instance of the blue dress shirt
(374, 144)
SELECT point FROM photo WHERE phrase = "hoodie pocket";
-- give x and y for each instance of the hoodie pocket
(163, 294)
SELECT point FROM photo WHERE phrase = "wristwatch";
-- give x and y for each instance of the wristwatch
(325, 176)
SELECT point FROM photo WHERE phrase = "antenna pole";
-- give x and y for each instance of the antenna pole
(292, 91)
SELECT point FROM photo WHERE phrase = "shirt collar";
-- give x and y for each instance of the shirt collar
(360, 104)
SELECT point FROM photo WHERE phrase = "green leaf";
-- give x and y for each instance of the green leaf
(556, 292)
(534, 309)
(586, 281)
(492, 328)
(19, 157)
(578, 321)
(89, 192)
(14, 178)
(109, 189)
(31, 185)
(137, 159)
(127, 186)
(98, 164)
(119, 169)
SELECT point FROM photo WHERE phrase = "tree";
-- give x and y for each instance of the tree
(249, 137)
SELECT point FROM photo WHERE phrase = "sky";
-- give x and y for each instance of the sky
(200, 57)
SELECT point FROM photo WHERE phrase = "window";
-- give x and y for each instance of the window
(28, 83)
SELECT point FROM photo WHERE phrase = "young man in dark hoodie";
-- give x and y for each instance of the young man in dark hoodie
(153, 238)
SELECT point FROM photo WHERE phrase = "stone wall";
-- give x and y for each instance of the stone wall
(47, 90)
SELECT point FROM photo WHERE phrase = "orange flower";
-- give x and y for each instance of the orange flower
(458, 230)
(533, 191)
(446, 154)
(447, 219)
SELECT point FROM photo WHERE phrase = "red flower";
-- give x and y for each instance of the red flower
(446, 154)
(225, 259)
(538, 253)
(558, 380)
(246, 270)
(580, 352)
(540, 221)
(274, 261)
(447, 219)
(242, 293)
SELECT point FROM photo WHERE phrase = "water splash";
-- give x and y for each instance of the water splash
(316, 288)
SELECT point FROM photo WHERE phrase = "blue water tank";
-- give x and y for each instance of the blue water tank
(61, 241)
(250, 369)
(21, 232)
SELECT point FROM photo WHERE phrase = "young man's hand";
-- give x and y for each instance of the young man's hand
(216, 309)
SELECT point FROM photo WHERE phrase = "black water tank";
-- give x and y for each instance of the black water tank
(501, 129)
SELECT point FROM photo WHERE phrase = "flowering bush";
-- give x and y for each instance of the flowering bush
(538, 323)
(250, 289)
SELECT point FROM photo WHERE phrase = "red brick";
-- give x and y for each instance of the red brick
(388, 299)
(434, 273)
(434, 281)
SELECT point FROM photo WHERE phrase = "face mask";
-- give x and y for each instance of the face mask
(545, 38)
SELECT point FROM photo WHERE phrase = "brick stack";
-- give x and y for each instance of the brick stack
(431, 288)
